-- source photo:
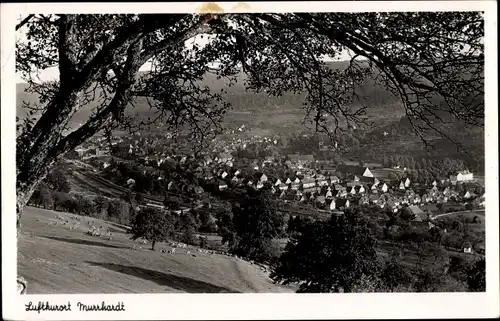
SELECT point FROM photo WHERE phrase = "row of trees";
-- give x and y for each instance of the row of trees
(340, 255)
(115, 210)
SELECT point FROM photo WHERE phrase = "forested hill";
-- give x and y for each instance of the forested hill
(399, 138)
(381, 102)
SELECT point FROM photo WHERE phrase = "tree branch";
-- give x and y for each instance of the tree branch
(24, 21)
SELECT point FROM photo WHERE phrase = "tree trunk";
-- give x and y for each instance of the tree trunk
(153, 245)
(24, 191)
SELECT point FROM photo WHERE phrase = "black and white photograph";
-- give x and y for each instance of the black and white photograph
(230, 150)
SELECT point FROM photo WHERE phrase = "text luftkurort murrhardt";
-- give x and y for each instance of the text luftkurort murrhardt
(46, 306)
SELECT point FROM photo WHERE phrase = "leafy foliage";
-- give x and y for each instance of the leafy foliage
(256, 224)
(56, 180)
(476, 279)
(226, 228)
(153, 225)
(329, 256)
(186, 226)
(119, 211)
(42, 197)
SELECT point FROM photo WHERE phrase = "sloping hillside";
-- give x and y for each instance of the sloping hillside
(57, 259)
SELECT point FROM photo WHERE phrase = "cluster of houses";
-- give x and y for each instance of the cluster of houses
(96, 147)
(340, 187)
(351, 185)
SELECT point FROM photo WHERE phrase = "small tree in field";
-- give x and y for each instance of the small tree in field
(153, 225)
(329, 256)
(57, 181)
(256, 224)
(187, 226)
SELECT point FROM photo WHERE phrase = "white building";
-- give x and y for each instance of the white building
(465, 176)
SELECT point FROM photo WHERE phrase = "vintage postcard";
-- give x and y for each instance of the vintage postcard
(254, 160)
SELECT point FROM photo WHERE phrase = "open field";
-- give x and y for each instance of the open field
(55, 259)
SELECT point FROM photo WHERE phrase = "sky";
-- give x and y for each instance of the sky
(53, 73)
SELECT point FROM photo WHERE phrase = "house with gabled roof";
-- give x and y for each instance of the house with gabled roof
(307, 183)
(358, 171)
(342, 203)
(330, 203)
(320, 199)
(351, 190)
(299, 159)
(482, 200)
(222, 185)
(353, 178)
(467, 195)
(283, 187)
(373, 189)
(225, 157)
(261, 177)
(419, 215)
(322, 182)
(360, 189)
(363, 200)
(373, 199)
(369, 180)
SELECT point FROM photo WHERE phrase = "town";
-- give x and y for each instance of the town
(295, 180)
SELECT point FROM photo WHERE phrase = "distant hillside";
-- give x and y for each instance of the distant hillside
(399, 139)
(259, 110)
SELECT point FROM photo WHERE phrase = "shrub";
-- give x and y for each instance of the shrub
(476, 278)
(101, 205)
(119, 212)
(84, 205)
(42, 197)
(64, 202)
